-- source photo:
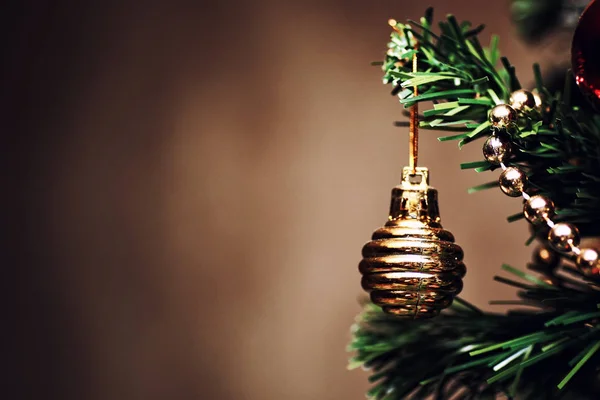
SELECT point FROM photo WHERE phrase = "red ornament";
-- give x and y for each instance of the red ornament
(585, 53)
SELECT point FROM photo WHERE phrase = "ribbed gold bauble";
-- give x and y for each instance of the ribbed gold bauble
(412, 267)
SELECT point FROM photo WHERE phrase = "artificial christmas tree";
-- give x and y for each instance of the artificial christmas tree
(547, 144)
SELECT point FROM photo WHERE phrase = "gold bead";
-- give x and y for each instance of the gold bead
(412, 267)
(563, 237)
(503, 116)
(513, 181)
(545, 259)
(538, 209)
(522, 100)
(587, 262)
(496, 149)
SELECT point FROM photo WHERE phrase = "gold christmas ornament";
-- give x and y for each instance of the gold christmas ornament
(513, 182)
(563, 237)
(588, 262)
(538, 209)
(412, 267)
(522, 100)
(502, 116)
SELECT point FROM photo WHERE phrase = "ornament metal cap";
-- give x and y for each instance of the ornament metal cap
(414, 198)
(412, 267)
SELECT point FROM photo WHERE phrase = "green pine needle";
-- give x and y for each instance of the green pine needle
(580, 364)
(484, 186)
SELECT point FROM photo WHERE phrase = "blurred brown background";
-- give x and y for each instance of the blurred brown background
(194, 182)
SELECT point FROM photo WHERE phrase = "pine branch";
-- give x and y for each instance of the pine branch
(558, 144)
(535, 352)
(550, 347)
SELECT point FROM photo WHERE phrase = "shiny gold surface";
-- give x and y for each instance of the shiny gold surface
(588, 261)
(497, 149)
(522, 100)
(412, 267)
(502, 116)
(513, 182)
(538, 209)
(563, 237)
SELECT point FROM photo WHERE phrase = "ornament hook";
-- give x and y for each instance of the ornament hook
(413, 146)
(413, 140)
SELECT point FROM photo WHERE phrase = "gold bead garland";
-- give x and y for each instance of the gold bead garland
(563, 237)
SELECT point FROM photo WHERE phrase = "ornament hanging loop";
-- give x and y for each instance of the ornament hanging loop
(413, 145)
